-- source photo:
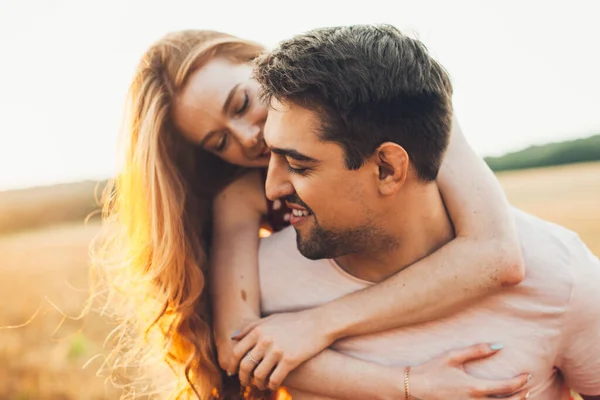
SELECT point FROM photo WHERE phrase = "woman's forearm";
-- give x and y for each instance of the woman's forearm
(335, 375)
(234, 281)
(447, 280)
(443, 377)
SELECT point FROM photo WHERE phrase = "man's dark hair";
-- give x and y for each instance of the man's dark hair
(369, 84)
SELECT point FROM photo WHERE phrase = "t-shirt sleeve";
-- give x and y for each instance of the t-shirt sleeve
(579, 355)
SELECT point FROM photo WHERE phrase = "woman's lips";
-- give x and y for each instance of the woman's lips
(264, 153)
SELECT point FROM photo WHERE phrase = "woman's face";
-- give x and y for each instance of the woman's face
(219, 110)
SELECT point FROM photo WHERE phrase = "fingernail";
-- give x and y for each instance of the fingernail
(527, 395)
(497, 346)
(235, 334)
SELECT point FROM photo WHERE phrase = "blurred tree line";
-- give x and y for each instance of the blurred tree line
(37, 207)
(573, 151)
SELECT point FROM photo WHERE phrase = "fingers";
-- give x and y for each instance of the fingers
(249, 363)
(225, 362)
(522, 395)
(241, 349)
(505, 387)
(472, 353)
(264, 369)
(279, 374)
(247, 329)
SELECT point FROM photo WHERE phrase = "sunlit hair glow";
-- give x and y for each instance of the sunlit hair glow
(149, 261)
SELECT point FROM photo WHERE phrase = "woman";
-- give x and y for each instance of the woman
(192, 180)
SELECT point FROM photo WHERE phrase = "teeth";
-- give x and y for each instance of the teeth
(300, 213)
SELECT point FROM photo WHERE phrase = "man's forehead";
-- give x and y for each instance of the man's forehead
(288, 123)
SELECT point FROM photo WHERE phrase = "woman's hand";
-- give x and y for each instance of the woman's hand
(269, 349)
(444, 377)
(225, 355)
(223, 340)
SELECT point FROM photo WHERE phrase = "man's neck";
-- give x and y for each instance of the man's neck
(419, 224)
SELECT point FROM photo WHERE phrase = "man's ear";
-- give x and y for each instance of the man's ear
(393, 162)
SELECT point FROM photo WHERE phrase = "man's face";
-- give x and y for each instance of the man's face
(334, 208)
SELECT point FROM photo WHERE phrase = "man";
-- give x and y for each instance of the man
(359, 124)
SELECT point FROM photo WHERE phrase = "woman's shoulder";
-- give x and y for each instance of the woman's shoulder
(247, 189)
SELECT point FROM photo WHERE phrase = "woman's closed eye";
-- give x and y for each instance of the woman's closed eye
(222, 143)
(244, 105)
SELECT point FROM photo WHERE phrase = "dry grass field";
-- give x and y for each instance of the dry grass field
(568, 195)
(49, 265)
(41, 270)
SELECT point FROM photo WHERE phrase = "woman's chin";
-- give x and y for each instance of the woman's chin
(260, 162)
(257, 162)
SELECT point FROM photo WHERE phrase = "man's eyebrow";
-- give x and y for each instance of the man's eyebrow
(229, 98)
(291, 153)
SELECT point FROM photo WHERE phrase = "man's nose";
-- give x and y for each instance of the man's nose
(277, 185)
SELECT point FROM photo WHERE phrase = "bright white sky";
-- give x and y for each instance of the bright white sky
(524, 72)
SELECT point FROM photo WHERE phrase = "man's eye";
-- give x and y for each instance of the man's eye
(299, 171)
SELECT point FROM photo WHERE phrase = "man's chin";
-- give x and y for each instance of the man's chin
(310, 248)
(312, 254)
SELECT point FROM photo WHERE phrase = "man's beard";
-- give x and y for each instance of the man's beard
(320, 243)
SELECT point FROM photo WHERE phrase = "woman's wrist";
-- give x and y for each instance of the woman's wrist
(391, 386)
(407, 383)
(225, 328)
(329, 321)
(414, 383)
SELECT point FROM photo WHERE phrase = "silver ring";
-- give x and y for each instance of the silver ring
(251, 359)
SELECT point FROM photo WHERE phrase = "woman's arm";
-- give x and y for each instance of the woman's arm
(441, 378)
(235, 290)
(484, 256)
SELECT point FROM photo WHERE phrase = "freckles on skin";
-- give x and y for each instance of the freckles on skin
(244, 296)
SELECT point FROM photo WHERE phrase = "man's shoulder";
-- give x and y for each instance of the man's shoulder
(554, 255)
(532, 229)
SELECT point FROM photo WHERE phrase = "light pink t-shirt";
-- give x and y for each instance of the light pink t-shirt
(549, 324)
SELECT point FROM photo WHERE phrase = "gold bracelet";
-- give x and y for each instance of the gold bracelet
(406, 385)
